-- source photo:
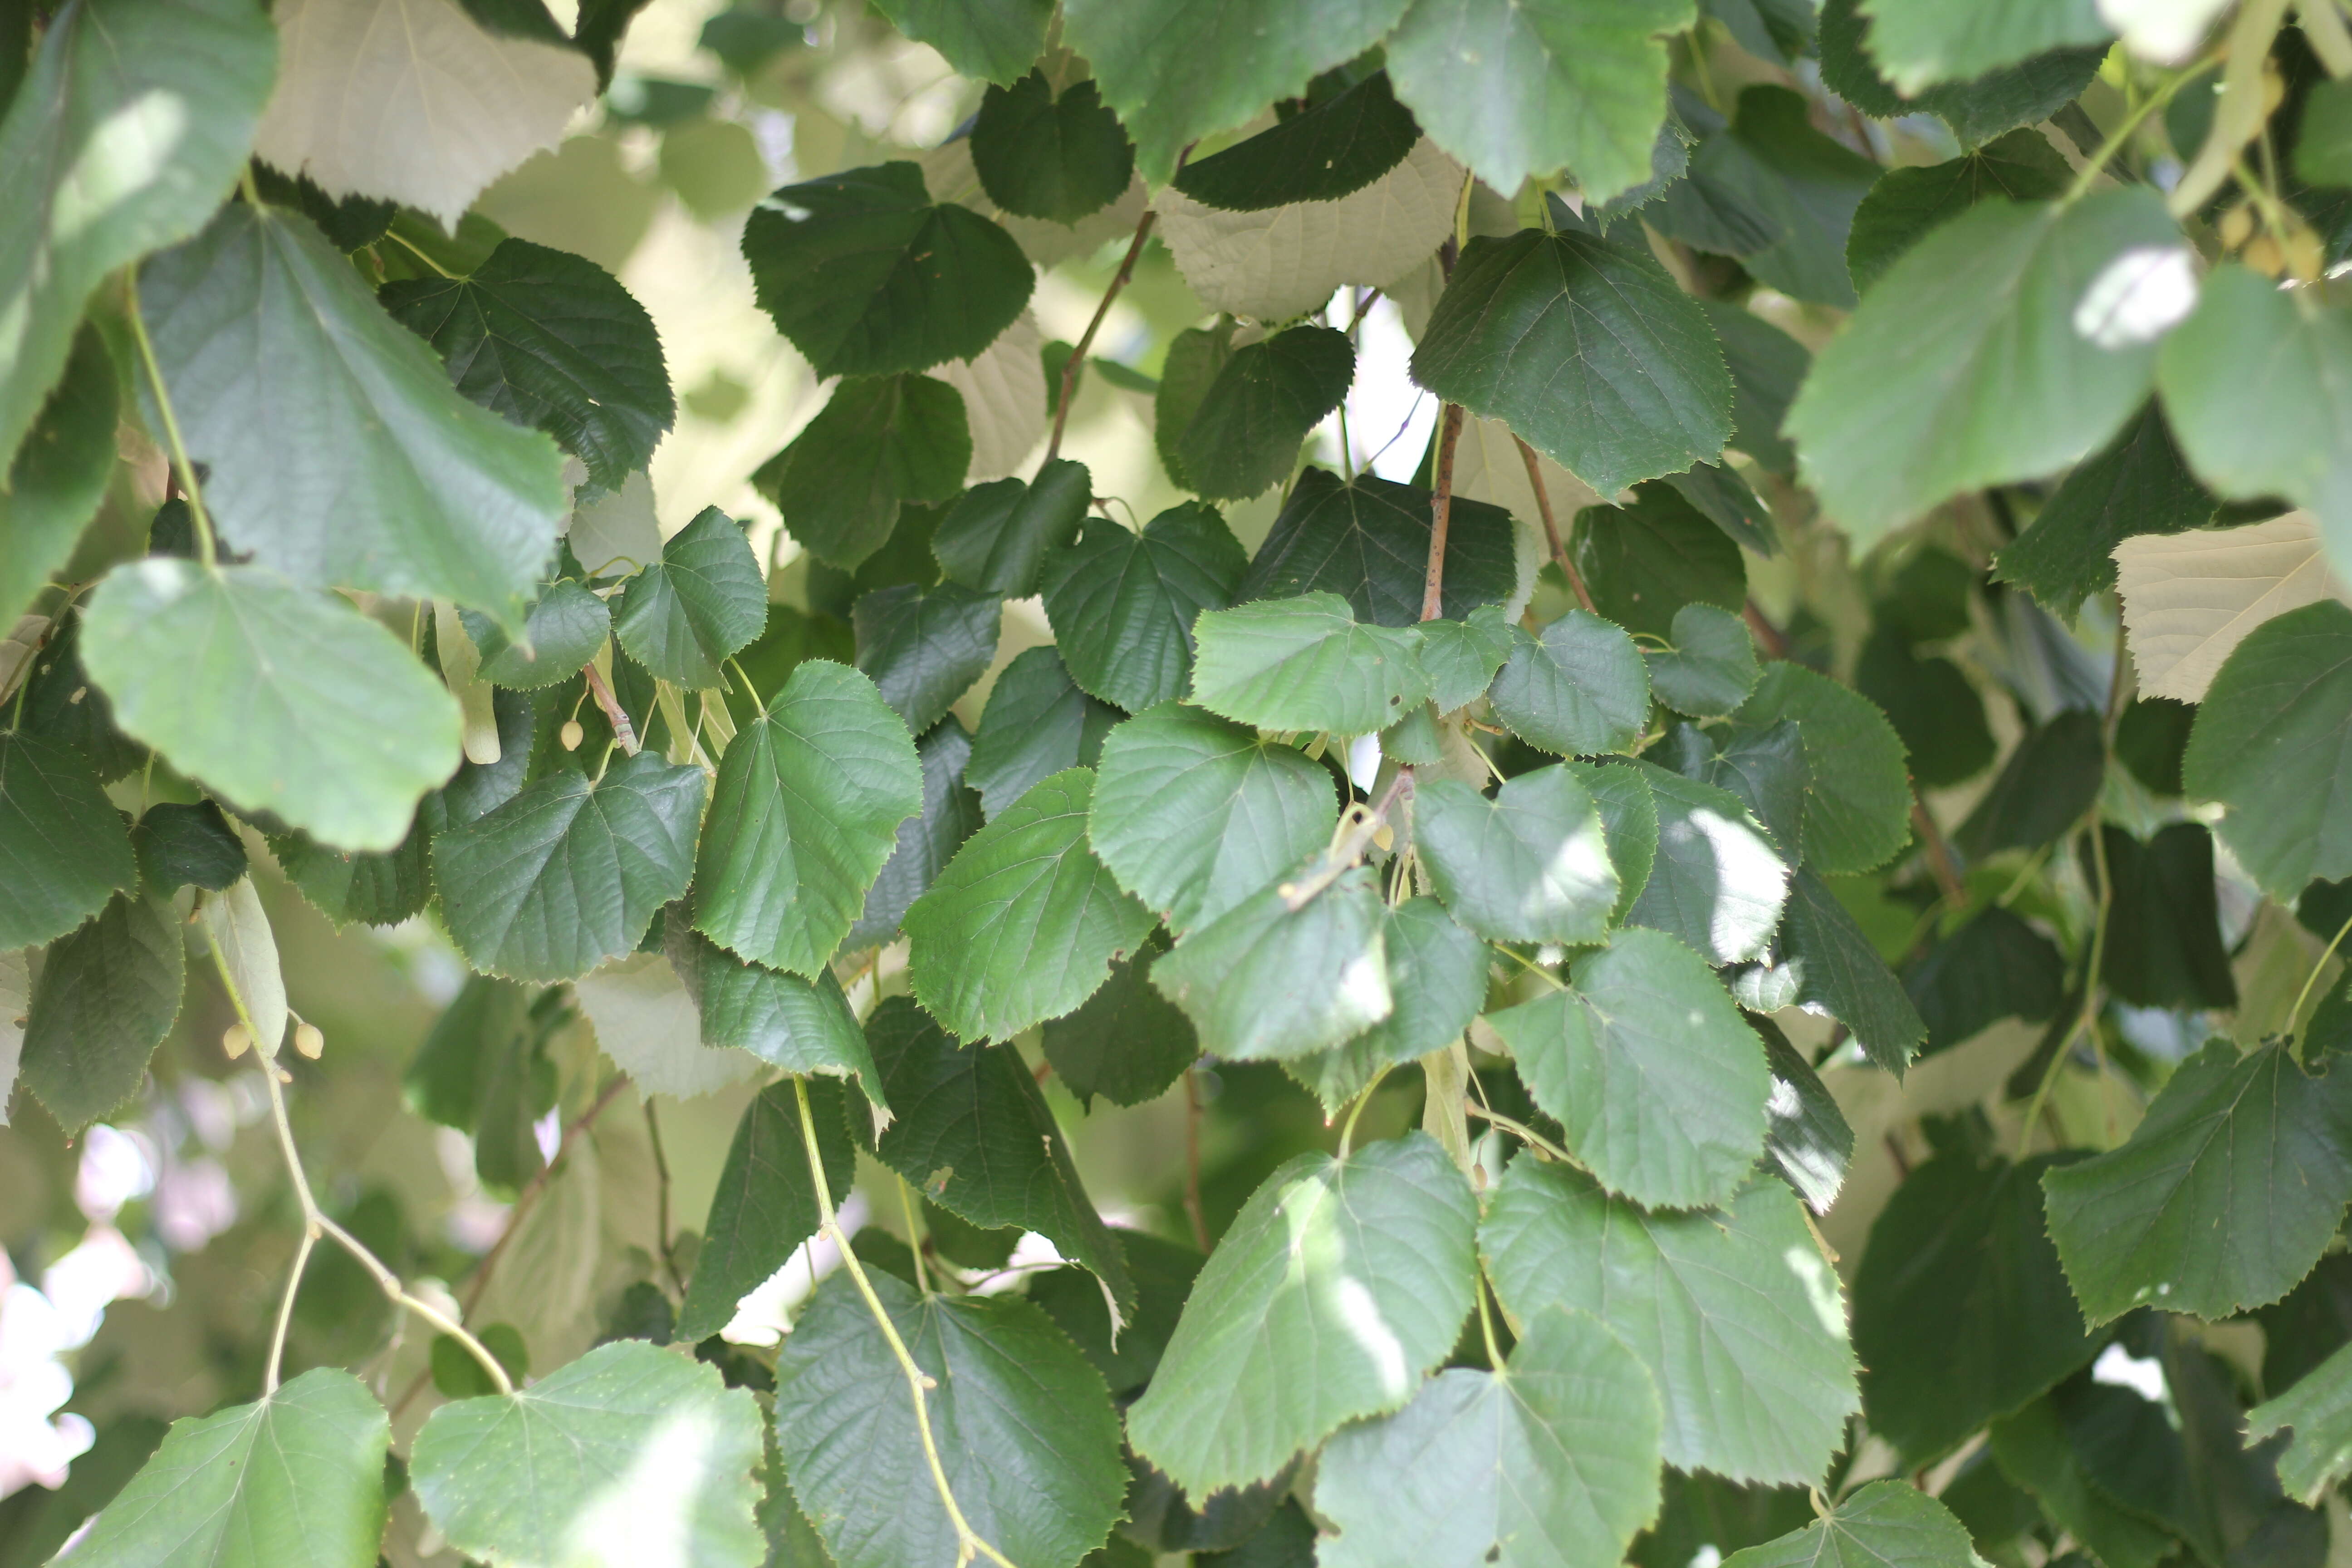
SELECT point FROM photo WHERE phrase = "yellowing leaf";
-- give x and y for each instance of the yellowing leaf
(651, 1028)
(1004, 390)
(413, 100)
(2191, 598)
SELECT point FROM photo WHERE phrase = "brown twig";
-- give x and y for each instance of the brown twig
(1939, 854)
(1071, 366)
(661, 1200)
(615, 714)
(1192, 1210)
(1440, 514)
(1551, 525)
(1769, 636)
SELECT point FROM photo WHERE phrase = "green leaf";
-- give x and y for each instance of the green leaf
(1734, 1311)
(1643, 562)
(280, 700)
(104, 1000)
(1658, 1084)
(1937, 713)
(553, 342)
(998, 536)
(1836, 970)
(1589, 350)
(1340, 1282)
(2049, 782)
(483, 1070)
(64, 849)
(1266, 980)
(1765, 768)
(1037, 722)
(1244, 435)
(1024, 1430)
(1806, 1136)
(2032, 1450)
(973, 1132)
(1919, 42)
(1367, 541)
(1530, 865)
(1629, 821)
(1327, 150)
(2010, 341)
(994, 41)
(1461, 657)
(1906, 203)
(2319, 1409)
(867, 277)
(1709, 667)
(183, 846)
(2271, 743)
(1800, 187)
(804, 1026)
(295, 1477)
(377, 889)
(124, 135)
(1887, 1524)
(1977, 110)
(630, 1450)
(1122, 604)
(570, 872)
(1177, 71)
(1023, 922)
(300, 396)
(1437, 978)
(1858, 805)
(1961, 1313)
(1766, 366)
(2189, 1212)
(1193, 814)
(1306, 664)
(1127, 1043)
(2138, 484)
(1195, 355)
(879, 441)
(806, 812)
(1520, 90)
(925, 647)
(59, 476)
(1551, 1458)
(1992, 967)
(561, 633)
(703, 600)
(766, 1204)
(927, 840)
(1046, 155)
(1717, 884)
(2164, 928)
(1578, 688)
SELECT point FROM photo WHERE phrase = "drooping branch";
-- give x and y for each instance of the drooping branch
(1071, 366)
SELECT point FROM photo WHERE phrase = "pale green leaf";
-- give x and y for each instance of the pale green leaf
(1717, 883)
(1123, 605)
(1887, 1524)
(1266, 981)
(1460, 657)
(705, 599)
(1530, 865)
(1437, 978)
(63, 848)
(994, 41)
(1709, 667)
(244, 952)
(1578, 688)
(2319, 1410)
(1306, 664)
(1923, 41)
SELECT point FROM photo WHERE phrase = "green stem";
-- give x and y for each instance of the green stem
(2088, 1020)
(2132, 121)
(2312, 980)
(914, 1235)
(205, 548)
(1348, 1133)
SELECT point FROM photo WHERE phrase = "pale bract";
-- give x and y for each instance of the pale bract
(2191, 598)
(649, 1025)
(1004, 390)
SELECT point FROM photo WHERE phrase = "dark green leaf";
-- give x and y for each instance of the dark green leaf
(1734, 1311)
(1023, 922)
(703, 600)
(1918, 41)
(1268, 980)
(1163, 1273)
(867, 277)
(1961, 1313)
(561, 633)
(1836, 970)
(1437, 979)
(1530, 865)
(804, 1026)
(998, 536)
(924, 649)
(298, 394)
(1127, 1043)
(1578, 688)
(483, 1069)
(2151, 739)
(376, 889)
(1766, 366)
(1643, 562)
(183, 846)
(927, 840)
(1307, 664)
(1195, 355)
(2032, 1450)
(2164, 928)
(105, 999)
(1042, 155)
(1244, 437)
(1037, 722)
(805, 813)
(1122, 604)
(1993, 967)
(59, 476)
(570, 872)
(994, 41)
(1765, 768)
(280, 700)
(2190, 1213)
(1657, 1082)
(63, 706)
(1937, 713)
(90, 179)
(64, 849)
(1806, 1136)
(766, 1204)
(1709, 667)
(2025, 93)
(880, 440)
(1906, 203)
(553, 342)
(2272, 743)
(1803, 185)
(974, 1134)
(2048, 783)
(1717, 883)
(1024, 1430)
(1886, 1524)
(1858, 804)
(1367, 541)
(1338, 146)
(1589, 350)
(1264, 1362)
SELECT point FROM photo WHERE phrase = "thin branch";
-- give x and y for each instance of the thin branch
(1440, 514)
(661, 1198)
(1939, 854)
(615, 714)
(1358, 826)
(1551, 526)
(1071, 366)
(1768, 637)
(531, 1191)
(180, 464)
(2313, 979)
(286, 1307)
(1524, 1134)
